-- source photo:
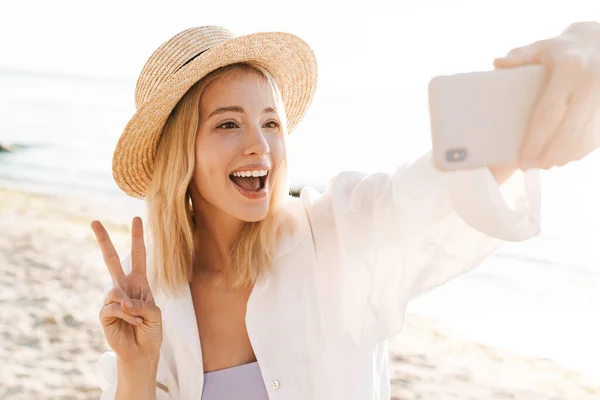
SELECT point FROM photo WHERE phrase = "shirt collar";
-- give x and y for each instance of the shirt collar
(179, 310)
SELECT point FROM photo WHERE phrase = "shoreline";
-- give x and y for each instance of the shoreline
(51, 287)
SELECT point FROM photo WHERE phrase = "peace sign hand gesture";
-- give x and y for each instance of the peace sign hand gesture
(131, 321)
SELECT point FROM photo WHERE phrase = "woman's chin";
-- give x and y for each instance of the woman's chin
(253, 214)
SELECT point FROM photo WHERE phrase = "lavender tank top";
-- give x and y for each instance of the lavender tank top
(235, 383)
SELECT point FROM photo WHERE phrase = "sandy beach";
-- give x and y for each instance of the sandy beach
(51, 282)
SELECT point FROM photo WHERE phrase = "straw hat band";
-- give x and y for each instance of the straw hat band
(173, 55)
(190, 60)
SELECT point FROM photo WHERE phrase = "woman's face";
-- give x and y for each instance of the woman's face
(239, 146)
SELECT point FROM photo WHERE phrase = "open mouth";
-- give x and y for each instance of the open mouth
(250, 183)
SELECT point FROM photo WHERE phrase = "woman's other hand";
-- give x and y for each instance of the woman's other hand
(131, 320)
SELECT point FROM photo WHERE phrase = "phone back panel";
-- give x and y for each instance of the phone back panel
(480, 118)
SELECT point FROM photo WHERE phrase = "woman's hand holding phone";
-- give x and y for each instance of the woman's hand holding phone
(539, 109)
(566, 121)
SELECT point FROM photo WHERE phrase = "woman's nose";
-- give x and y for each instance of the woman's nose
(257, 143)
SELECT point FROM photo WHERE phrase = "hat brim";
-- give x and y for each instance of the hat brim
(287, 57)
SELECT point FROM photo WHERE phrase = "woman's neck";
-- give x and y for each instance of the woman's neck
(214, 235)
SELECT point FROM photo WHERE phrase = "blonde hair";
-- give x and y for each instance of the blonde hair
(169, 203)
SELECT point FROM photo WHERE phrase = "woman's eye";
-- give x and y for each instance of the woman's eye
(272, 124)
(227, 125)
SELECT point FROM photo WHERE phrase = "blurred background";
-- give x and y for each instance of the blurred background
(525, 324)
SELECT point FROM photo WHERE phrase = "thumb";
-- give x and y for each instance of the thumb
(139, 308)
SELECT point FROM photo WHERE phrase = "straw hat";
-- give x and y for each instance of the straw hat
(185, 59)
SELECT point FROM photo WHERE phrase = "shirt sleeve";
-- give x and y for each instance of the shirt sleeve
(400, 235)
(106, 366)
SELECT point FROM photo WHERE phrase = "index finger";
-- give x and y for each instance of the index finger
(111, 258)
(138, 248)
(524, 55)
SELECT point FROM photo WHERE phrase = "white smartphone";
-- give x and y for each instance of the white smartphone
(479, 118)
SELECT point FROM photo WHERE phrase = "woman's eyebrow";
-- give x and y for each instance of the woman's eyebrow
(238, 109)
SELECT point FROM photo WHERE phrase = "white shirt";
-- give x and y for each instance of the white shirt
(340, 285)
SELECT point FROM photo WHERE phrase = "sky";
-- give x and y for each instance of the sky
(375, 57)
(114, 38)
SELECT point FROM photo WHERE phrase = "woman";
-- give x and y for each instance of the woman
(253, 294)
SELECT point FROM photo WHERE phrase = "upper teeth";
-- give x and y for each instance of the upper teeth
(250, 173)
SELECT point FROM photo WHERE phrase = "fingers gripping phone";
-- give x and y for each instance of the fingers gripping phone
(480, 118)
